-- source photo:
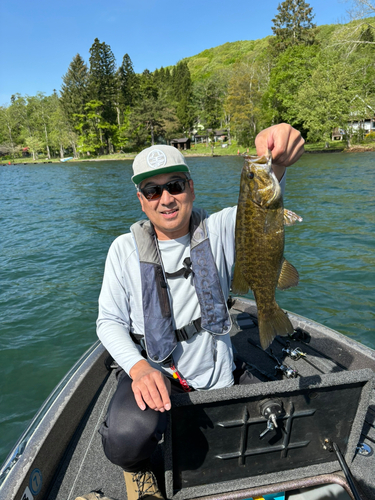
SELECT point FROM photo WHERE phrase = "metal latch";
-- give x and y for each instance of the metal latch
(270, 410)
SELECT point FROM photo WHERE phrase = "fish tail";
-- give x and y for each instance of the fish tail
(271, 323)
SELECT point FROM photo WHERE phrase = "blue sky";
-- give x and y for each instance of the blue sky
(40, 38)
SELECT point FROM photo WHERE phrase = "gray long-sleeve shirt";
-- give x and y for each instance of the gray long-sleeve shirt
(205, 360)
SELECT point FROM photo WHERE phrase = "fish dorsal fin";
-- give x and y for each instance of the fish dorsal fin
(291, 218)
(239, 284)
(288, 276)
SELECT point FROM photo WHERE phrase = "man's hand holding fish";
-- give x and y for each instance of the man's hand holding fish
(285, 143)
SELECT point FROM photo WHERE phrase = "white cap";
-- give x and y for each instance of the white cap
(158, 159)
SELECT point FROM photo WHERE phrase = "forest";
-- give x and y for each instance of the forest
(317, 78)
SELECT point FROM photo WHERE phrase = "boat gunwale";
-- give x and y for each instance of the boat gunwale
(39, 430)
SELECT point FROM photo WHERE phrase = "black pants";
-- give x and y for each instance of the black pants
(129, 434)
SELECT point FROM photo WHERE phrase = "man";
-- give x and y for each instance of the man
(162, 307)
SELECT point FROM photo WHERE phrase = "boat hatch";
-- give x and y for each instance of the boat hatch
(259, 434)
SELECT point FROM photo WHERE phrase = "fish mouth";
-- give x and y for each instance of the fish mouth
(266, 195)
(276, 192)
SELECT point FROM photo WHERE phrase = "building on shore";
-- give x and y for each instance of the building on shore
(183, 143)
(215, 135)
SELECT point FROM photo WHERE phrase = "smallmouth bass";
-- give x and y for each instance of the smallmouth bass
(259, 243)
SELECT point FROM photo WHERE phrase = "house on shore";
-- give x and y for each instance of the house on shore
(367, 125)
(362, 119)
(220, 135)
(183, 143)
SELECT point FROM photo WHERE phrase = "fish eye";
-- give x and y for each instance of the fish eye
(250, 175)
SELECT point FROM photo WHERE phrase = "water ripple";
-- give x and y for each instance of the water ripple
(57, 222)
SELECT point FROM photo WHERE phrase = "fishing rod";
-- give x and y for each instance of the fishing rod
(286, 370)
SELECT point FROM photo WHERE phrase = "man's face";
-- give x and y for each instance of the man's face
(170, 214)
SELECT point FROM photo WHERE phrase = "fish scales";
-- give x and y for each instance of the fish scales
(259, 244)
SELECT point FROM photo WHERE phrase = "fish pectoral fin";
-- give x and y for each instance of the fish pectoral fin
(239, 284)
(288, 276)
(291, 218)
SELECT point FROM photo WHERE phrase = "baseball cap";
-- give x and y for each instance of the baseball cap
(158, 159)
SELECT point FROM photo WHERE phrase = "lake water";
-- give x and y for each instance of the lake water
(58, 220)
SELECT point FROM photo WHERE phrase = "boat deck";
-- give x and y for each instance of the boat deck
(84, 467)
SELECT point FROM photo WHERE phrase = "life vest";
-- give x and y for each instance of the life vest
(159, 334)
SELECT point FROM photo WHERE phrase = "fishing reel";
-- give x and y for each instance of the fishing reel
(295, 354)
(286, 370)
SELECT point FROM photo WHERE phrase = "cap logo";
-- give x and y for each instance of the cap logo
(156, 159)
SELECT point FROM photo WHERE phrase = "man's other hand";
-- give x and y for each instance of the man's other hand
(150, 387)
(285, 143)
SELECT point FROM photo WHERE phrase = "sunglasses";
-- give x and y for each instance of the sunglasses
(155, 192)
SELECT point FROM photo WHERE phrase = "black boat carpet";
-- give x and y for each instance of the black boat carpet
(85, 468)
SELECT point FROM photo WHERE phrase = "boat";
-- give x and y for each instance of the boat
(66, 159)
(307, 422)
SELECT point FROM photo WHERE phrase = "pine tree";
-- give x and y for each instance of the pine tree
(102, 78)
(128, 83)
(162, 75)
(74, 88)
(103, 87)
(182, 88)
(148, 88)
(293, 25)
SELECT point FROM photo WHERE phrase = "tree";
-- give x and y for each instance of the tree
(9, 129)
(357, 34)
(40, 109)
(62, 135)
(74, 91)
(92, 128)
(148, 121)
(152, 117)
(292, 25)
(293, 67)
(103, 85)
(323, 101)
(209, 97)
(243, 103)
(128, 83)
(182, 90)
(362, 9)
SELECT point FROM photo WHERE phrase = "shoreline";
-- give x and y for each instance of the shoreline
(352, 149)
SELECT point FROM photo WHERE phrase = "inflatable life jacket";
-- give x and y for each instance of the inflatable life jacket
(160, 336)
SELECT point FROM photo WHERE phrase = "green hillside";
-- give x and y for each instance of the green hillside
(220, 58)
(223, 57)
